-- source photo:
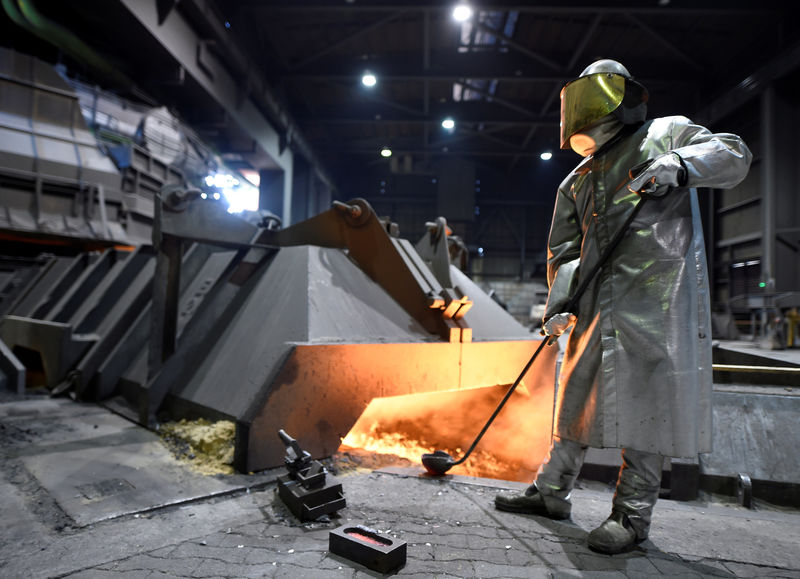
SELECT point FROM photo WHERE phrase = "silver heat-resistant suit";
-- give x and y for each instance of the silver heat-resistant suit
(636, 372)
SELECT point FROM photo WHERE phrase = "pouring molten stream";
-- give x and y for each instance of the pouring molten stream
(412, 425)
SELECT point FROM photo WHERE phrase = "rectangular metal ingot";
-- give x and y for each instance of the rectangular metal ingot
(368, 547)
(311, 504)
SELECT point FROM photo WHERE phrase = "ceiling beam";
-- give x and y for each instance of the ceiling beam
(349, 38)
(665, 43)
(521, 48)
(752, 86)
(470, 133)
(448, 66)
(372, 152)
(576, 54)
(707, 7)
(465, 135)
(338, 119)
(489, 97)
(371, 96)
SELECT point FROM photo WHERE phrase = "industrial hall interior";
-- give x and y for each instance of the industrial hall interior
(428, 288)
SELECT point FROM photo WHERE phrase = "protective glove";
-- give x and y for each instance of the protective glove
(655, 177)
(558, 324)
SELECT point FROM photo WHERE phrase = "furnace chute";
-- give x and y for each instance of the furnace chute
(297, 329)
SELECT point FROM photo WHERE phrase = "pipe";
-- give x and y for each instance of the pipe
(25, 14)
(756, 369)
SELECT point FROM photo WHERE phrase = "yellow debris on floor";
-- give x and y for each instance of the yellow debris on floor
(205, 446)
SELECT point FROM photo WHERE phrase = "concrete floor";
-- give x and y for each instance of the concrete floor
(84, 493)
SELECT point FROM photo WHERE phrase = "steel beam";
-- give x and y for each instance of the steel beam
(348, 38)
(181, 41)
(768, 192)
(751, 86)
(709, 7)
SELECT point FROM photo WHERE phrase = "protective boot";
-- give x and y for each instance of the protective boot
(549, 495)
(532, 502)
(636, 495)
(615, 535)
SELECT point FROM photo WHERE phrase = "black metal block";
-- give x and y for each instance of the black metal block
(684, 480)
(368, 547)
(309, 504)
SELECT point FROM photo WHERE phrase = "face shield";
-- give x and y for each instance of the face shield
(587, 99)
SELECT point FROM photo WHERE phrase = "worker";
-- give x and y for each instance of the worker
(636, 372)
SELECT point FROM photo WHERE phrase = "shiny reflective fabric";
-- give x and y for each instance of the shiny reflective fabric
(586, 100)
(637, 488)
(557, 475)
(636, 371)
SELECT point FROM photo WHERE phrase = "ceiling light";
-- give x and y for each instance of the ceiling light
(369, 79)
(386, 152)
(462, 13)
(448, 124)
(546, 156)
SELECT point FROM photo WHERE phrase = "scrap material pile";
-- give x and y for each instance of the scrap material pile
(206, 446)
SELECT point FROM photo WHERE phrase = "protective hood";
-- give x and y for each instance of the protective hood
(587, 99)
(589, 140)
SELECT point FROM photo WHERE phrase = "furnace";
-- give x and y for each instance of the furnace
(302, 328)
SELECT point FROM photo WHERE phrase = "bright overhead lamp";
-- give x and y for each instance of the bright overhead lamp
(448, 124)
(462, 13)
(546, 156)
(386, 152)
(368, 79)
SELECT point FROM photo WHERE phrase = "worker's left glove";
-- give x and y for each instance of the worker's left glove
(558, 324)
(655, 177)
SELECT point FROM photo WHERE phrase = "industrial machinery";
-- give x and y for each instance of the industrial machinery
(230, 317)
(149, 296)
(307, 488)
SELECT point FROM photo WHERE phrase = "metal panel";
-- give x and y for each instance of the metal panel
(128, 295)
(12, 371)
(83, 287)
(58, 347)
(44, 141)
(322, 390)
(39, 290)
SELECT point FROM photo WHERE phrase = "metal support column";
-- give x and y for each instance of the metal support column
(164, 321)
(768, 188)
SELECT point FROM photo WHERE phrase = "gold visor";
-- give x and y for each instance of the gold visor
(588, 99)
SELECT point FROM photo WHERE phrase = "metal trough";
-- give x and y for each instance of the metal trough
(297, 328)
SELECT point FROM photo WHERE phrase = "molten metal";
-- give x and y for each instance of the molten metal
(418, 424)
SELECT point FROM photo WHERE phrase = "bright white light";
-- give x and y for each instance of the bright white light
(243, 197)
(546, 156)
(448, 124)
(220, 180)
(369, 79)
(462, 13)
(203, 196)
(386, 152)
(240, 195)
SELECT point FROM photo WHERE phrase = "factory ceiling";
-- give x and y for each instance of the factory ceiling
(497, 75)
